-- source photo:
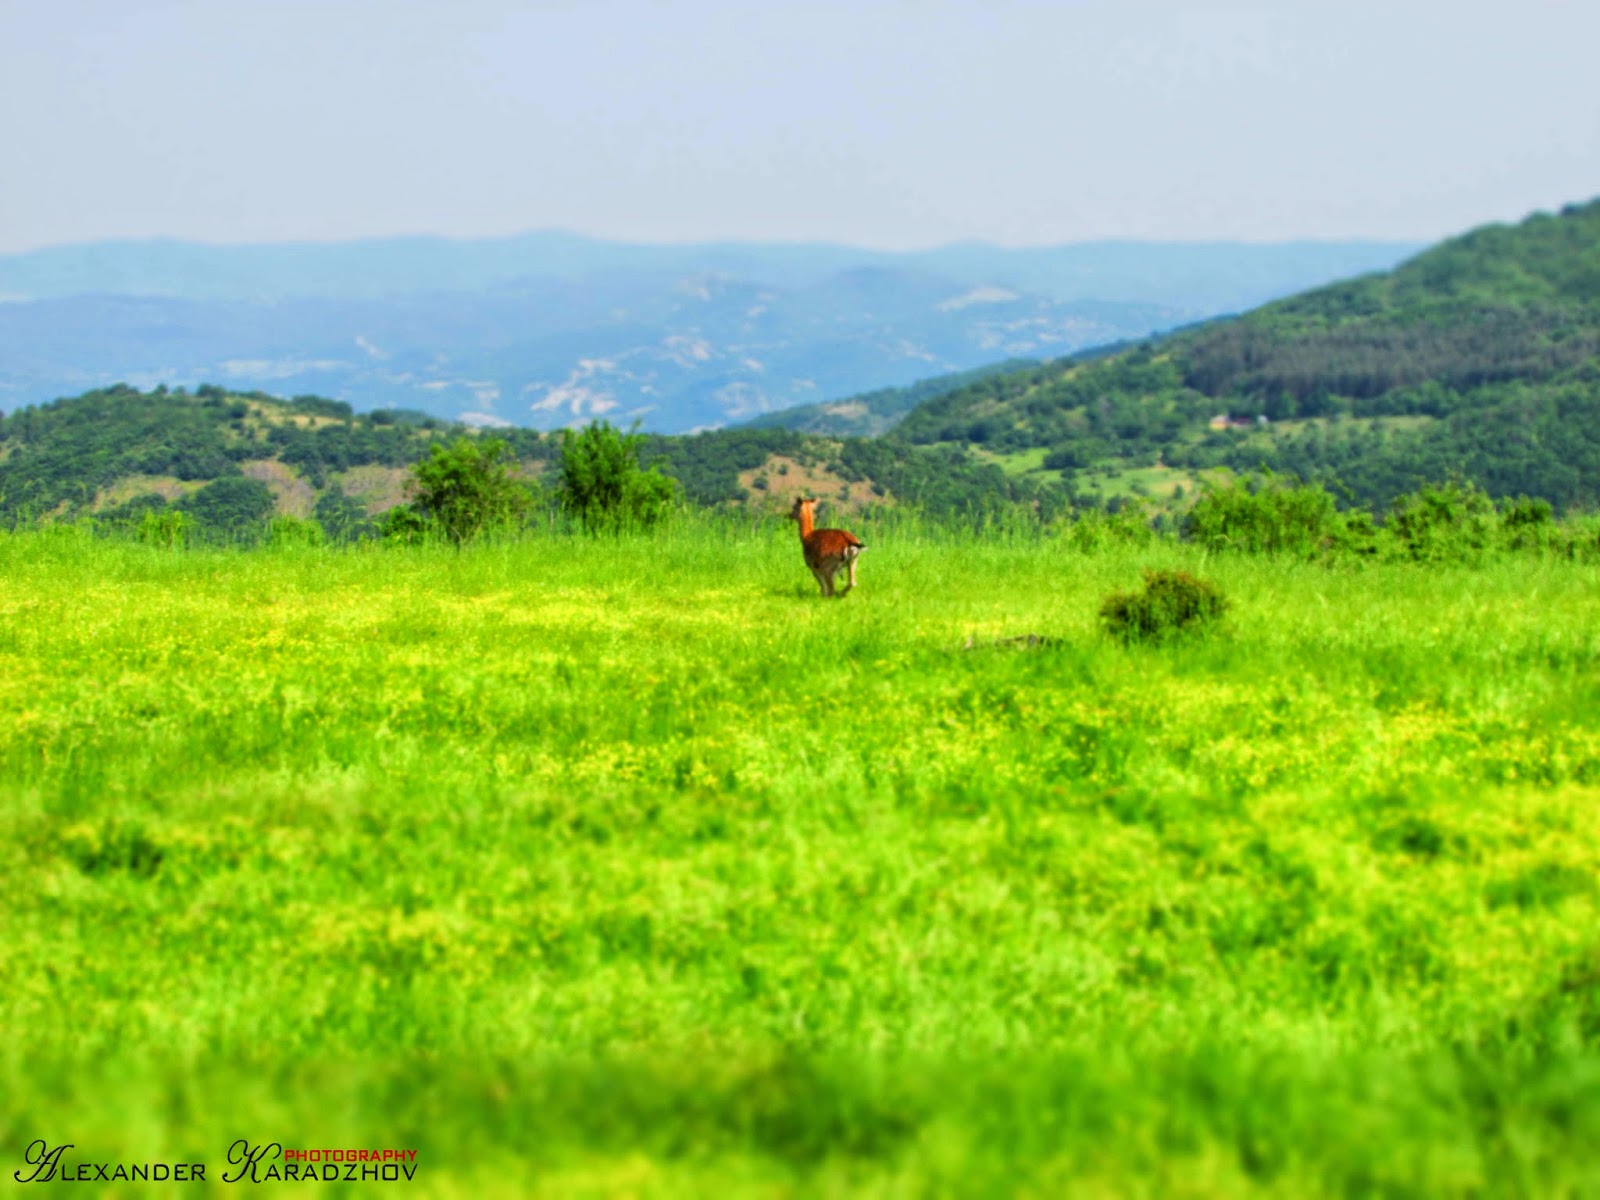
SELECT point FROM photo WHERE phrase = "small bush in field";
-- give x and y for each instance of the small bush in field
(1171, 602)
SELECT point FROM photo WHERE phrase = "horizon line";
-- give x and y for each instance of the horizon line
(796, 243)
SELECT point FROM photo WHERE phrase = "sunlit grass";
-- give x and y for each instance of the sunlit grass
(633, 866)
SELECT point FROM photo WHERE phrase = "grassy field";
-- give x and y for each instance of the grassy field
(594, 867)
(1159, 487)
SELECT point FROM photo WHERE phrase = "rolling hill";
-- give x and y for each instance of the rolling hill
(1479, 357)
(233, 459)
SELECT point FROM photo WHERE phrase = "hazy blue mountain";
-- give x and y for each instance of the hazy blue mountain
(1200, 276)
(870, 414)
(546, 329)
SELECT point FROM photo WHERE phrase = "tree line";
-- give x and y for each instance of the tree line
(60, 460)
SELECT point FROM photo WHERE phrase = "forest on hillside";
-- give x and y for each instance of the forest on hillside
(1479, 358)
(76, 457)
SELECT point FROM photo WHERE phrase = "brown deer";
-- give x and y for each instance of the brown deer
(826, 550)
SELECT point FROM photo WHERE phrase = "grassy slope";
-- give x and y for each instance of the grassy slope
(1156, 484)
(631, 867)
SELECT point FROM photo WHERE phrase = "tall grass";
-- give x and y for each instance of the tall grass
(630, 866)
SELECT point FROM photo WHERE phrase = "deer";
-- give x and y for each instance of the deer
(826, 550)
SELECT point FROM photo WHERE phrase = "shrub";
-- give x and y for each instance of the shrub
(129, 516)
(231, 508)
(1529, 525)
(341, 517)
(403, 525)
(1172, 602)
(1073, 456)
(170, 527)
(468, 488)
(1523, 513)
(602, 484)
(1095, 528)
(1446, 522)
(1580, 537)
(293, 531)
(323, 407)
(1274, 516)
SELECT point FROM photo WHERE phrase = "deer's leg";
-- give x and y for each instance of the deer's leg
(822, 582)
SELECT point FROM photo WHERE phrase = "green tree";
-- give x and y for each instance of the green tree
(603, 485)
(468, 487)
(231, 507)
(342, 517)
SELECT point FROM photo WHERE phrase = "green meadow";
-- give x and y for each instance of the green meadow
(630, 867)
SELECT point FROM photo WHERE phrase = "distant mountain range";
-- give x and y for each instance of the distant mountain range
(545, 330)
(1478, 359)
(869, 414)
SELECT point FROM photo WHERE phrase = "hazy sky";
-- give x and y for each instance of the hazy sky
(875, 122)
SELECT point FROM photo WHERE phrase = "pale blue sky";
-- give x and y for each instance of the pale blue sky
(875, 122)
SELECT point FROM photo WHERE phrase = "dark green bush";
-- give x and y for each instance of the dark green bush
(342, 518)
(1444, 522)
(321, 406)
(1529, 525)
(231, 509)
(128, 516)
(1274, 516)
(1172, 602)
(468, 488)
(602, 484)
(403, 525)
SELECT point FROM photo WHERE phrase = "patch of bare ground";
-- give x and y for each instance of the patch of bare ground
(531, 470)
(375, 488)
(277, 414)
(776, 483)
(168, 487)
(295, 497)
